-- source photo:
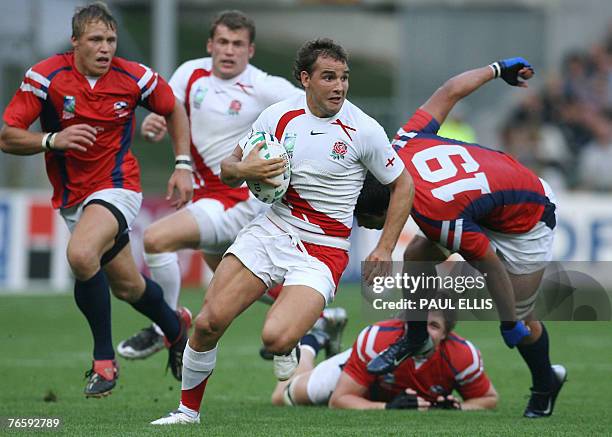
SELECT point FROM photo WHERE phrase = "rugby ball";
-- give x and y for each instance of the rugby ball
(272, 149)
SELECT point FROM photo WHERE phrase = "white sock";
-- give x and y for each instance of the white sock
(166, 272)
(197, 366)
(188, 411)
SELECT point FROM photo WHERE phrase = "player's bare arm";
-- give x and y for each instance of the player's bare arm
(234, 170)
(153, 128)
(488, 401)
(180, 181)
(17, 141)
(349, 394)
(456, 88)
(400, 204)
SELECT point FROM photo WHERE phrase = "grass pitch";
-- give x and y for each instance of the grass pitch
(45, 349)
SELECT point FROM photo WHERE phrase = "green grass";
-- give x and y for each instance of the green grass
(45, 346)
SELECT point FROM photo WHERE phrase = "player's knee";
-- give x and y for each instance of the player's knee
(278, 341)
(128, 289)
(209, 324)
(83, 261)
(153, 241)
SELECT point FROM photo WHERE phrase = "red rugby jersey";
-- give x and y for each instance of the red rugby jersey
(462, 187)
(56, 92)
(456, 364)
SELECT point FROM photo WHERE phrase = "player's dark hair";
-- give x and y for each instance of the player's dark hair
(233, 20)
(374, 197)
(308, 54)
(97, 11)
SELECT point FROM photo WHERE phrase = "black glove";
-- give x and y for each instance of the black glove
(403, 401)
(508, 69)
(448, 403)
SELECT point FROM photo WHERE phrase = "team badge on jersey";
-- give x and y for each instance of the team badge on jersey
(234, 107)
(289, 143)
(69, 107)
(437, 390)
(198, 97)
(339, 150)
(120, 108)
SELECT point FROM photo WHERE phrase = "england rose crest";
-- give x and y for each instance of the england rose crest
(339, 150)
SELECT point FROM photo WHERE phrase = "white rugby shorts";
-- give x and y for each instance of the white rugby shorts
(324, 378)
(128, 202)
(276, 257)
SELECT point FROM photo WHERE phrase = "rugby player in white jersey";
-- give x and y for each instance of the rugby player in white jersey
(303, 239)
(223, 95)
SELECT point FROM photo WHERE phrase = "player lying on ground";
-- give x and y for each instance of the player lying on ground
(302, 241)
(417, 383)
(487, 207)
(223, 95)
(86, 100)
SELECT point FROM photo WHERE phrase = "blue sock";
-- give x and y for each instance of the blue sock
(537, 358)
(311, 340)
(153, 305)
(93, 299)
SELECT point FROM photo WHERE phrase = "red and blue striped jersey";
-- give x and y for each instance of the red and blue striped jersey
(456, 364)
(55, 91)
(461, 188)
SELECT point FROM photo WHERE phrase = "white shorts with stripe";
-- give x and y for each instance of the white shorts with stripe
(275, 256)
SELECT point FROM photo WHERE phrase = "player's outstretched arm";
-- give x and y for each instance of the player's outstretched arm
(400, 205)
(180, 182)
(488, 401)
(235, 170)
(464, 84)
(17, 141)
(348, 394)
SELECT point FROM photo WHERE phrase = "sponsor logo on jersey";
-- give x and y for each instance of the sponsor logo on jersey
(198, 97)
(289, 143)
(234, 107)
(69, 107)
(339, 150)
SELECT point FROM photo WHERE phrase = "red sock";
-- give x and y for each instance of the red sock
(192, 398)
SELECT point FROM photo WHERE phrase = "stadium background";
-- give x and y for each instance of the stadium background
(400, 52)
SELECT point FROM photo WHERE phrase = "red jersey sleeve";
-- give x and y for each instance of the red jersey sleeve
(155, 93)
(158, 96)
(355, 366)
(422, 122)
(471, 380)
(26, 105)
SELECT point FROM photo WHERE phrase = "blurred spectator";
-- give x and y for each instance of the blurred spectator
(594, 167)
(564, 131)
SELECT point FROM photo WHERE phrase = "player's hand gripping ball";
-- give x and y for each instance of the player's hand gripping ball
(272, 149)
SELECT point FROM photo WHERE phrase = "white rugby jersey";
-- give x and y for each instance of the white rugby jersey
(221, 113)
(329, 159)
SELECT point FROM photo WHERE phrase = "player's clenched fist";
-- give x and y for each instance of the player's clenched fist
(76, 137)
(153, 128)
